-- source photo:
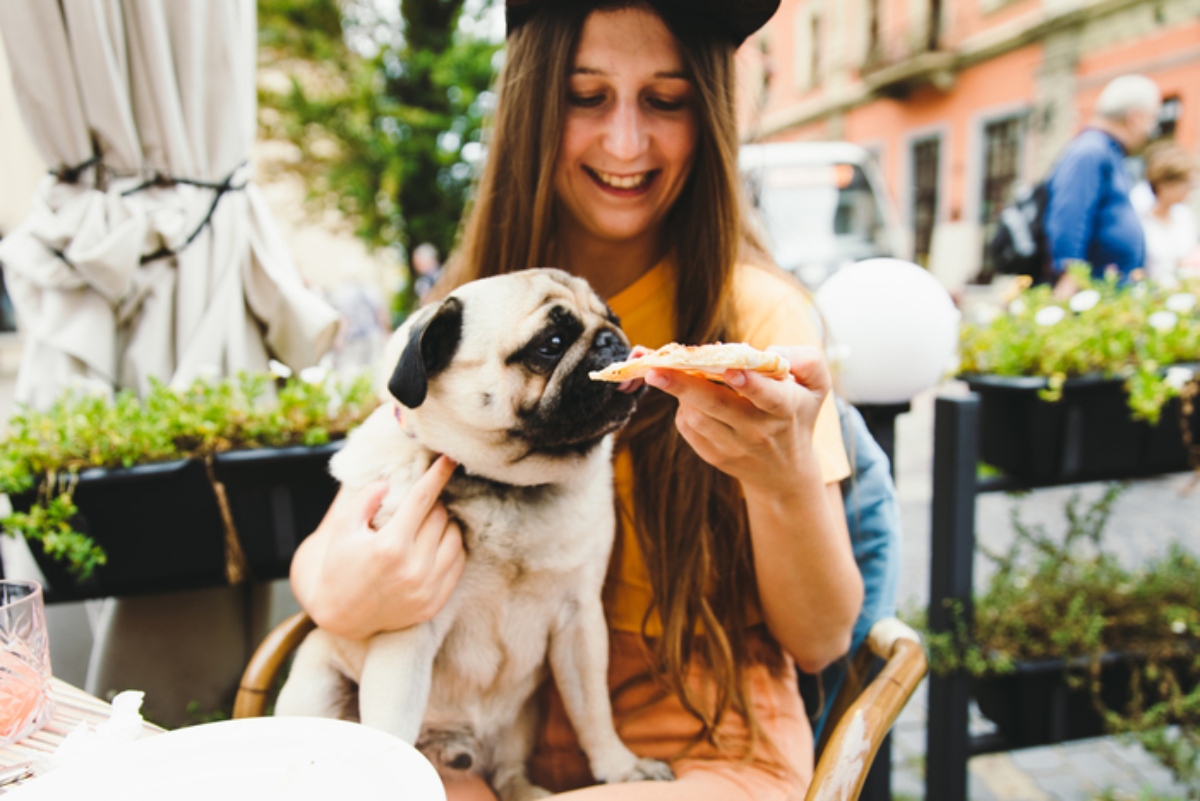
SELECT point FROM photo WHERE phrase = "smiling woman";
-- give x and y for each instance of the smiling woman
(613, 155)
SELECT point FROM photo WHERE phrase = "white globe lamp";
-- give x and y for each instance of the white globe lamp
(892, 330)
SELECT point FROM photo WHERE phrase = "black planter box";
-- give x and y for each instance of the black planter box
(1035, 705)
(277, 496)
(1089, 434)
(159, 524)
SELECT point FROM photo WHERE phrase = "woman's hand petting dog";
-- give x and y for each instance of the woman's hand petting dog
(754, 428)
(369, 581)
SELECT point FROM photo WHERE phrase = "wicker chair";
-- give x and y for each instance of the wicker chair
(864, 710)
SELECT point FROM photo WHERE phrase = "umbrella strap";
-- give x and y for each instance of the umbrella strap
(71, 174)
(235, 557)
(220, 189)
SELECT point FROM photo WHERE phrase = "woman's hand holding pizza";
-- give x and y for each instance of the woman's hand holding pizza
(755, 428)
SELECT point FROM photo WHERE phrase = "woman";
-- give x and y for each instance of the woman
(1169, 225)
(613, 156)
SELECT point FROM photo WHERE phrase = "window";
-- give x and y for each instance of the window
(1168, 117)
(815, 49)
(934, 38)
(926, 158)
(872, 30)
(806, 54)
(1001, 166)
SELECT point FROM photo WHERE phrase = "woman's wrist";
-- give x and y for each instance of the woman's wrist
(780, 490)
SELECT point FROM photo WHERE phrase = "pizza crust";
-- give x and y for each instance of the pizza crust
(705, 361)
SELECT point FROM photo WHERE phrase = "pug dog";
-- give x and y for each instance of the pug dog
(496, 377)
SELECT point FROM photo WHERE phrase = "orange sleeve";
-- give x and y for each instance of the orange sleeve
(774, 310)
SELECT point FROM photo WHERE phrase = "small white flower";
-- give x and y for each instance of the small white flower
(1177, 377)
(1049, 315)
(986, 315)
(1017, 308)
(1021, 582)
(315, 374)
(335, 403)
(90, 386)
(1181, 302)
(1163, 321)
(279, 369)
(1082, 301)
(1178, 626)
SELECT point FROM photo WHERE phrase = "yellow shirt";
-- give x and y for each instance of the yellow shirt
(771, 311)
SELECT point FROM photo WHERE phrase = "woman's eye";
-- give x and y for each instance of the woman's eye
(664, 104)
(585, 101)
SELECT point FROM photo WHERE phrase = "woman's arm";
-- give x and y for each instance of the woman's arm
(355, 581)
(761, 433)
(811, 610)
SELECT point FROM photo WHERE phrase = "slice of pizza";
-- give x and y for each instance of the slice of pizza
(706, 361)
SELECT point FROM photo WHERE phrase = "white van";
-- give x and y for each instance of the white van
(822, 205)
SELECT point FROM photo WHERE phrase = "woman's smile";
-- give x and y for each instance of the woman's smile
(624, 185)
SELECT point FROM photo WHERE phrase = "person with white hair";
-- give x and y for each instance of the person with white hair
(427, 269)
(1089, 216)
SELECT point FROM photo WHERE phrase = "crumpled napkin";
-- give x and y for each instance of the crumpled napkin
(87, 743)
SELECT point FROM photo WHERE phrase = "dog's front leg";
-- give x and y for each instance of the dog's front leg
(579, 659)
(393, 690)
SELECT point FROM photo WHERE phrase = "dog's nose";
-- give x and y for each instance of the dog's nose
(609, 344)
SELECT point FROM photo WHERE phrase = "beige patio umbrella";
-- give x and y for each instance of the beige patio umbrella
(150, 253)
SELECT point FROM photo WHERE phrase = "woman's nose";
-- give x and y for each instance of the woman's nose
(626, 135)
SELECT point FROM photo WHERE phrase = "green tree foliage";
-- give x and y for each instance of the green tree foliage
(381, 110)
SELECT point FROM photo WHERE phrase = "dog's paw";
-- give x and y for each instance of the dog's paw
(519, 788)
(635, 769)
(650, 770)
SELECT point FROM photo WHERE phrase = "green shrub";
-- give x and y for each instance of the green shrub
(47, 449)
(1133, 331)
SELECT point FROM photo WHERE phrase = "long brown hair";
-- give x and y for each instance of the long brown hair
(691, 518)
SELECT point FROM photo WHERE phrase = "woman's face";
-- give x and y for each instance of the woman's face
(630, 130)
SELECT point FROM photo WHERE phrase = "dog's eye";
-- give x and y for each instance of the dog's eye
(552, 346)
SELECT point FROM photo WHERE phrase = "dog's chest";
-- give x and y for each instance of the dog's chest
(523, 530)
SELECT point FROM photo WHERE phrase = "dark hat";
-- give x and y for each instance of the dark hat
(735, 19)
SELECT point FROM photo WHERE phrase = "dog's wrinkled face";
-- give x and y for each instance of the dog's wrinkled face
(496, 375)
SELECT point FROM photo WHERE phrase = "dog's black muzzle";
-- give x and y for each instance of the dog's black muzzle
(583, 411)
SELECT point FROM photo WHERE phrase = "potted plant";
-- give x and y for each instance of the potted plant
(1065, 643)
(1095, 386)
(183, 488)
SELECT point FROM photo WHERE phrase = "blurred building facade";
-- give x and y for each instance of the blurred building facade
(962, 101)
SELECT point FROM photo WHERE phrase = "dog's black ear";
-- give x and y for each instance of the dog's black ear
(431, 346)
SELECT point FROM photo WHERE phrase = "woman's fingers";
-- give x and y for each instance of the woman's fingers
(425, 491)
(750, 426)
(356, 581)
(363, 506)
(809, 367)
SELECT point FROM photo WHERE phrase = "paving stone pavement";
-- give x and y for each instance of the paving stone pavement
(1150, 516)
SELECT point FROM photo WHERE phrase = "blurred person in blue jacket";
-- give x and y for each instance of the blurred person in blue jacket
(1089, 216)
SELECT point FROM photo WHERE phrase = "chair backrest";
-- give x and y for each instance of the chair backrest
(864, 710)
(263, 671)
